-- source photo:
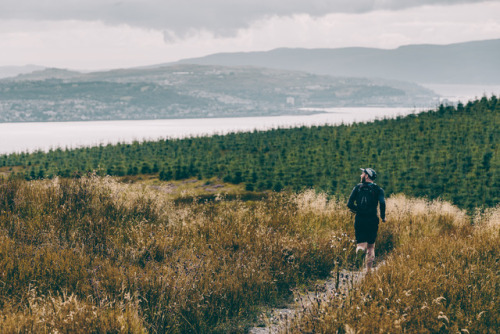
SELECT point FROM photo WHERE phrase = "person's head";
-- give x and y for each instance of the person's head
(368, 175)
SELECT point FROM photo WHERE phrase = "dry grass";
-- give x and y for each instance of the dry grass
(442, 278)
(96, 255)
(82, 248)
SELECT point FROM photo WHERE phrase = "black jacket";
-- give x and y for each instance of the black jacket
(352, 203)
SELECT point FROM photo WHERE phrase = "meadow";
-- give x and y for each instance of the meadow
(97, 255)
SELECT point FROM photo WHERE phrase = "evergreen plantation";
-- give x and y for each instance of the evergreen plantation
(450, 153)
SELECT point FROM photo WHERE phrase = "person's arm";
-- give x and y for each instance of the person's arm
(381, 200)
(350, 204)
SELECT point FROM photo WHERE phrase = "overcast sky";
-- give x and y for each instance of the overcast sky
(103, 34)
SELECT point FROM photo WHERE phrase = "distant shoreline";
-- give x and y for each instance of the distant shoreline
(305, 111)
(32, 136)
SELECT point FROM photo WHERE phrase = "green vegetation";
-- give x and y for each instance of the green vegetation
(450, 153)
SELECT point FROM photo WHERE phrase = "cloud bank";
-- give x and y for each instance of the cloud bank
(101, 35)
(182, 17)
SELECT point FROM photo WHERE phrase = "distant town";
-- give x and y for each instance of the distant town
(192, 91)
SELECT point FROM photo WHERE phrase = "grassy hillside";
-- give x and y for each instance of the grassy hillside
(95, 255)
(450, 153)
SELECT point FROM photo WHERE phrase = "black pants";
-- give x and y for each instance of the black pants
(366, 228)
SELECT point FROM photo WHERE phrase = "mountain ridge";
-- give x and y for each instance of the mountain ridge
(474, 62)
(471, 62)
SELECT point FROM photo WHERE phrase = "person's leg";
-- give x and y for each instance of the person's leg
(370, 256)
(372, 236)
(362, 246)
(360, 253)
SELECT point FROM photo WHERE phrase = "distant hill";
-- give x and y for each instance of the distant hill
(186, 91)
(46, 73)
(12, 71)
(463, 63)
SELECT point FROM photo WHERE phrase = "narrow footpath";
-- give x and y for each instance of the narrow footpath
(279, 319)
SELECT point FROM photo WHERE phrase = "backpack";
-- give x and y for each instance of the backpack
(367, 198)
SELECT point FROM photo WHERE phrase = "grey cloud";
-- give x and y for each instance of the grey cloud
(178, 17)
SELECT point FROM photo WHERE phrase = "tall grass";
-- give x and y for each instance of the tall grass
(93, 249)
(443, 278)
(95, 255)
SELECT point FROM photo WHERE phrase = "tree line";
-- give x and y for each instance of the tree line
(450, 152)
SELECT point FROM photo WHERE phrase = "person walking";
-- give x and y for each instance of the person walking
(363, 201)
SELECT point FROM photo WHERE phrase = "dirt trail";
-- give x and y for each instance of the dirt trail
(277, 320)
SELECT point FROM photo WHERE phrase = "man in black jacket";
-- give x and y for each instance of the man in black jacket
(364, 200)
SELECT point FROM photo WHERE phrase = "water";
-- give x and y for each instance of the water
(22, 137)
(463, 93)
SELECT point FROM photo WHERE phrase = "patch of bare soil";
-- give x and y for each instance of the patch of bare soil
(214, 187)
(168, 188)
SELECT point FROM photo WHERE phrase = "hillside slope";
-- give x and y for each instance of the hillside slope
(451, 153)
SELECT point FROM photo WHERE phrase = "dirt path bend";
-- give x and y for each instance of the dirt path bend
(277, 320)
